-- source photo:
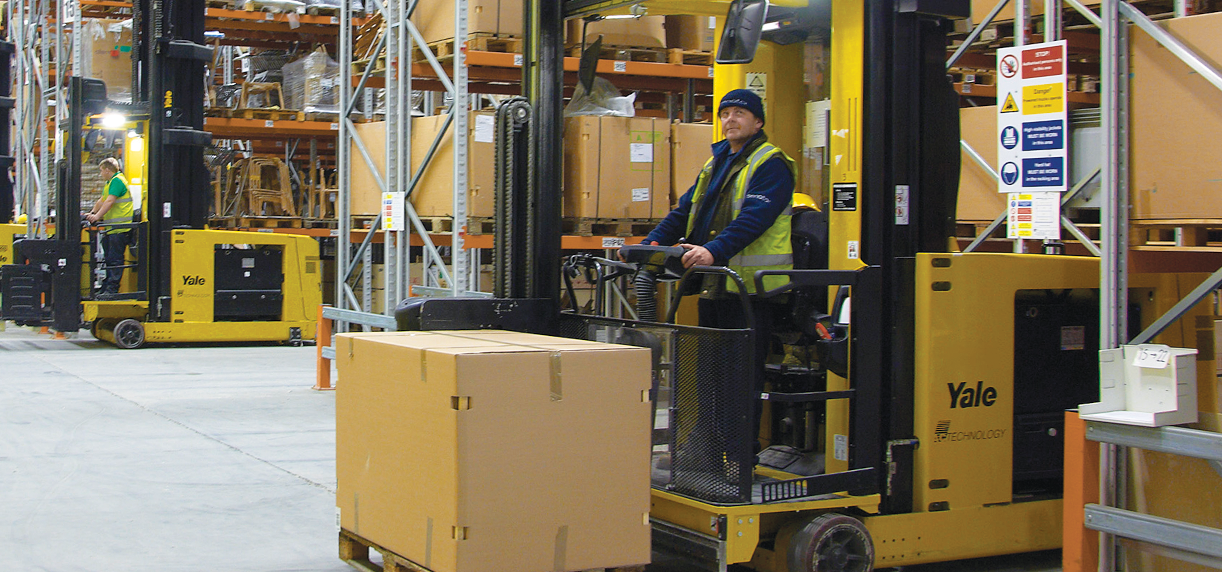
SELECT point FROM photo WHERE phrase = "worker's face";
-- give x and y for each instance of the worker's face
(107, 172)
(738, 125)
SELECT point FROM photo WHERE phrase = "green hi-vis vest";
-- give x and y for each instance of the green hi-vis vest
(122, 210)
(772, 250)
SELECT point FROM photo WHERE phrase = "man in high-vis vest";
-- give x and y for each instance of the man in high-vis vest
(114, 208)
(736, 215)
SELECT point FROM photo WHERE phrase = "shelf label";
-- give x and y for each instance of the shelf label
(1152, 357)
(620, 66)
(335, 127)
(517, 60)
(710, 71)
(612, 241)
(334, 19)
(269, 123)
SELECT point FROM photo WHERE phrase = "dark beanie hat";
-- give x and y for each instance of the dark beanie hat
(745, 99)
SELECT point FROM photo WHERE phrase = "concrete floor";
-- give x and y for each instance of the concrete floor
(201, 458)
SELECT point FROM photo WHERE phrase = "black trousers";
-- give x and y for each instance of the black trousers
(114, 245)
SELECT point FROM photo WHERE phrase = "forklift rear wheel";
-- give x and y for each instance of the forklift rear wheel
(831, 542)
(129, 334)
(99, 326)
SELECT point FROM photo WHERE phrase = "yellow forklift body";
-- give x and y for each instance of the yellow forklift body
(6, 241)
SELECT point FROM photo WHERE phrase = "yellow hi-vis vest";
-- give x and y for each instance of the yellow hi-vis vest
(122, 210)
(773, 249)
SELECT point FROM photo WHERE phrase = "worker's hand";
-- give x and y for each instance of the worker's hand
(92, 218)
(696, 255)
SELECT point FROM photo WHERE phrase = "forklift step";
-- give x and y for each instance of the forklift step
(354, 550)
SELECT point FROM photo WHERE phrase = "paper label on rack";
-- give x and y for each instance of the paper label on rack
(613, 241)
(517, 60)
(640, 195)
(640, 152)
(1152, 357)
(621, 66)
(484, 128)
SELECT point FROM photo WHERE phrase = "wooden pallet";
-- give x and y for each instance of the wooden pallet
(273, 114)
(1176, 233)
(265, 222)
(626, 53)
(379, 66)
(476, 41)
(689, 57)
(354, 550)
(222, 4)
(322, 10)
(328, 116)
(481, 225)
(607, 226)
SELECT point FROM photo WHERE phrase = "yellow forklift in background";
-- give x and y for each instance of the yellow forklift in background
(184, 283)
(920, 417)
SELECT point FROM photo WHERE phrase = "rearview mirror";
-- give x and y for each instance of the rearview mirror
(741, 35)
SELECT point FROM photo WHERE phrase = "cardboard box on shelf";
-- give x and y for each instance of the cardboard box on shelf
(981, 8)
(108, 54)
(616, 167)
(643, 32)
(435, 20)
(978, 196)
(434, 195)
(689, 151)
(469, 451)
(1176, 117)
(694, 33)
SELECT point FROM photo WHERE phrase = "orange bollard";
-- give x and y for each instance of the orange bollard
(322, 339)
(1080, 552)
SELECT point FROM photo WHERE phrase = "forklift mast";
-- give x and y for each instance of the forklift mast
(170, 60)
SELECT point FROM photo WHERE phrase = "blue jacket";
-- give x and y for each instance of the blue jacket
(769, 193)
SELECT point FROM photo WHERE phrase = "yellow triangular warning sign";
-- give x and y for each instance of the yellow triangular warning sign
(756, 81)
(1009, 106)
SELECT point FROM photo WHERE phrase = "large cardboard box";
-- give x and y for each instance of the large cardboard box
(434, 194)
(1176, 119)
(435, 19)
(108, 54)
(643, 32)
(468, 451)
(981, 8)
(978, 196)
(689, 151)
(616, 167)
(696, 33)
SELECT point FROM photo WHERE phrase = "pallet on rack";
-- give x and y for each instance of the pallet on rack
(689, 57)
(1178, 233)
(259, 113)
(328, 116)
(626, 53)
(267, 222)
(222, 4)
(608, 226)
(322, 10)
(476, 41)
(366, 37)
(379, 66)
(481, 225)
(354, 550)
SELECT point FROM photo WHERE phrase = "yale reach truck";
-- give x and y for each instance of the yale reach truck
(927, 425)
(191, 284)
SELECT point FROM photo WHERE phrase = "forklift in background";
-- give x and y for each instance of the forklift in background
(928, 425)
(190, 284)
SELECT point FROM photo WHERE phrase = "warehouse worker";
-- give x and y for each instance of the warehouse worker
(736, 215)
(115, 207)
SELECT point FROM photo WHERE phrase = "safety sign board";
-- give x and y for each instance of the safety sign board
(758, 83)
(1032, 147)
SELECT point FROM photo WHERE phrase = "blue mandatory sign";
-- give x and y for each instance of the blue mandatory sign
(1009, 137)
(1009, 173)
(1043, 135)
(1045, 172)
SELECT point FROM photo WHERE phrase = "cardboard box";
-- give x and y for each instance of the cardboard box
(1176, 118)
(434, 195)
(469, 451)
(981, 8)
(689, 151)
(435, 19)
(616, 167)
(978, 196)
(108, 55)
(694, 33)
(643, 32)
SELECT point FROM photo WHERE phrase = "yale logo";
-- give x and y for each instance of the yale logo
(193, 280)
(964, 397)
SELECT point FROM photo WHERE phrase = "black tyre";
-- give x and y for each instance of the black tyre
(129, 334)
(100, 325)
(831, 542)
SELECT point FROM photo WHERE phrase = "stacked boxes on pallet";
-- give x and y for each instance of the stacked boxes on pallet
(469, 451)
(616, 167)
(435, 20)
(689, 151)
(310, 83)
(644, 32)
(107, 55)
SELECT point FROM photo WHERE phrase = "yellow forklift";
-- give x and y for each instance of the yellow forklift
(186, 283)
(920, 417)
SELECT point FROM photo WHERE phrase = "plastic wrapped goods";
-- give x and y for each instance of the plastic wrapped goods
(311, 83)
